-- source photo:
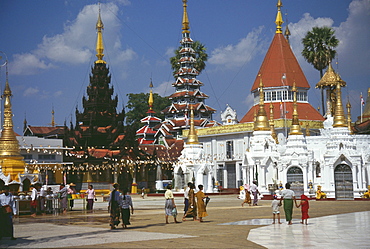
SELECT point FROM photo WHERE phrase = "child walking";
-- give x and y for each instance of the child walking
(275, 209)
(304, 209)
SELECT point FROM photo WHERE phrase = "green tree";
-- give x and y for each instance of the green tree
(318, 50)
(137, 106)
(200, 55)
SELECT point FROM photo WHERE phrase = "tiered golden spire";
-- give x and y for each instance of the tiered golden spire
(192, 136)
(272, 125)
(11, 160)
(52, 118)
(99, 40)
(339, 119)
(185, 19)
(279, 19)
(9, 145)
(295, 129)
(261, 121)
(151, 99)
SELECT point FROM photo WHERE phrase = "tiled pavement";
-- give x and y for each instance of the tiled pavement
(227, 226)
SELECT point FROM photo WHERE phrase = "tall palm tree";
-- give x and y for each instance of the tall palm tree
(200, 55)
(319, 50)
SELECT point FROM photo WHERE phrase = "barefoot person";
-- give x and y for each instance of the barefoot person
(304, 209)
(192, 205)
(288, 196)
(170, 204)
(201, 206)
(275, 210)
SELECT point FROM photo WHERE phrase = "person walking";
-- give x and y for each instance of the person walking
(63, 198)
(275, 209)
(304, 209)
(192, 205)
(125, 204)
(90, 192)
(288, 196)
(247, 198)
(71, 193)
(201, 206)
(114, 208)
(7, 210)
(254, 189)
(34, 199)
(186, 198)
(169, 204)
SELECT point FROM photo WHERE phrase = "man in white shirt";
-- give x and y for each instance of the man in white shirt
(7, 210)
(254, 189)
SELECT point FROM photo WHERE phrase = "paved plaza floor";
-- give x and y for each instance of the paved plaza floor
(333, 224)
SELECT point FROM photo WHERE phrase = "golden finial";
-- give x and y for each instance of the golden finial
(339, 119)
(272, 125)
(99, 40)
(279, 19)
(151, 99)
(295, 128)
(192, 136)
(261, 122)
(185, 19)
(349, 120)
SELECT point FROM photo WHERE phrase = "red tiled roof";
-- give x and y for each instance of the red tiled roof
(198, 94)
(150, 119)
(305, 112)
(280, 60)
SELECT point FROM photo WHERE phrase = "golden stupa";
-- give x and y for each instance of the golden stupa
(11, 160)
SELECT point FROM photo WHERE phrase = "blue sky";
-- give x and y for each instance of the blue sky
(50, 46)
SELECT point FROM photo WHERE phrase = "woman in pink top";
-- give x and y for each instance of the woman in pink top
(90, 198)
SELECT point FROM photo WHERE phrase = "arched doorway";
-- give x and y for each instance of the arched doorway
(295, 178)
(343, 182)
(26, 185)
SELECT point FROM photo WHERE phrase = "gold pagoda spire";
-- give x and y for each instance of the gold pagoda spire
(279, 19)
(261, 121)
(11, 160)
(192, 136)
(339, 119)
(52, 118)
(349, 120)
(151, 99)
(99, 40)
(272, 125)
(295, 129)
(185, 19)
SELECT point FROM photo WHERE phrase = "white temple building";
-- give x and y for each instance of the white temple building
(294, 144)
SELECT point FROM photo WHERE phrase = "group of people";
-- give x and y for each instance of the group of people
(248, 190)
(287, 198)
(119, 206)
(194, 203)
(66, 197)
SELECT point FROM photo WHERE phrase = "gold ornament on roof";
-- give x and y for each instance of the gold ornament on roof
(185, 19)
(279, 19)
(339, 119)
(295, 128)
(192, 136)
(99, 40)
(261, 122)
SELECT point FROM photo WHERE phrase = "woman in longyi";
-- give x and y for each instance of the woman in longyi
(201, 206)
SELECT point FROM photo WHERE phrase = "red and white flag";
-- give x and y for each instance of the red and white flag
(362, 100)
